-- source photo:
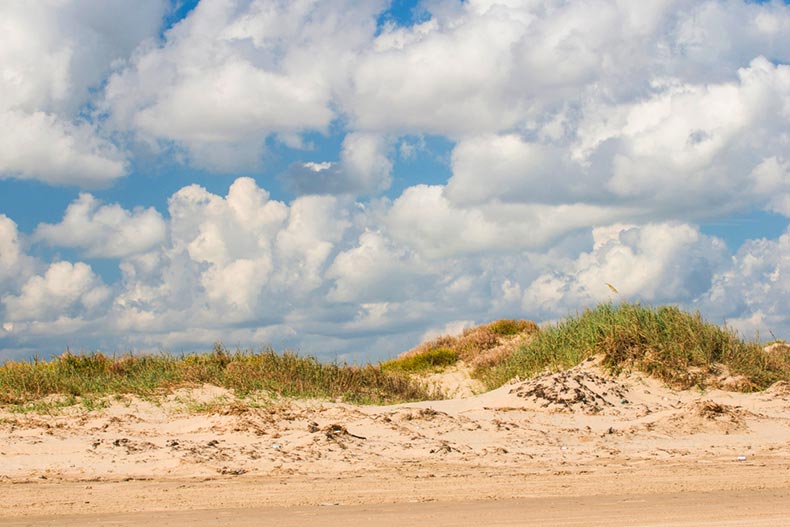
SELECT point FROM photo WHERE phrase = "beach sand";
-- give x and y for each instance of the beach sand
(577, 446)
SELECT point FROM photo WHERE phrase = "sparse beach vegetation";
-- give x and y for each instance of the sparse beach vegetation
(432, 359)
(86, 376)
(680, 348)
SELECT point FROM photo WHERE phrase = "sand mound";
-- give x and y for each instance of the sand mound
(583, 389)
(780, 389)
(706, 416)
(455, 382)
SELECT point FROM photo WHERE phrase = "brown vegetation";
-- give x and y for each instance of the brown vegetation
(479, 347)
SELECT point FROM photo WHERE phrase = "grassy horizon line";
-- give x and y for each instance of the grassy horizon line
(243, 371)
(678, 347)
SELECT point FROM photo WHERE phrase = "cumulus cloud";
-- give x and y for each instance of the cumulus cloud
(423, 218)
(693, 142)
(751, 293)
(593, 103)
(484, 66)
(316, 225)
(51, 54)
(516, 170)
(242, 258)
(376, 269)
(588, 138)
(15, 264)
(316, 275)
(104, 231)
(771, 178)
(233, 73)
(655, 262)
(44, 147)
(688, 151)
(65, 289)
(247, 267)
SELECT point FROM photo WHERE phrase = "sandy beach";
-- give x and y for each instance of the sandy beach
(579, 447)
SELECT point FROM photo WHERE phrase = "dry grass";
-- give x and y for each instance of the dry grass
(434, 359)
(244, 372)
(480, 347)
(678, 347)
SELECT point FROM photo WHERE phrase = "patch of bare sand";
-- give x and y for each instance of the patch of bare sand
(732, 508)
(455, 382)
(579, 432)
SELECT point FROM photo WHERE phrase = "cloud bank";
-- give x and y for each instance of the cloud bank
(589, 142)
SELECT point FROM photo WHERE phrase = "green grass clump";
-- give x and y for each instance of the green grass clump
(507, 327)
(680, 348)
(245, 372)
(428, 361)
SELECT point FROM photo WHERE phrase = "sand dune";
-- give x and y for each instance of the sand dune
(579, 432)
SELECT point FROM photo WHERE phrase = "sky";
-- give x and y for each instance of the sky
(349, 178)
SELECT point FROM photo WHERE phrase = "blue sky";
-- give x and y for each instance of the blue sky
(350, 178)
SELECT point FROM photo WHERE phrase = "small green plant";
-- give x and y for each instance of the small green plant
(508, 327)
(429, 361)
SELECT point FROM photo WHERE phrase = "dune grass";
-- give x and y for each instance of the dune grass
(680, 348)
(482, 347)
(430, 360)
(677, 347)
(245, 372)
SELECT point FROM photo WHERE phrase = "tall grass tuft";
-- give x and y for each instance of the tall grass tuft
(678, 347)
(245, 372)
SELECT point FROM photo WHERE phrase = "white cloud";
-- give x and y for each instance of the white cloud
(219, 230)
(51, 54)
(752, 293)
(509, 168)
(240, 258)
(44, 147)
(15, 264)
(62, 289)
(589, 136)
(224, 248)
(485, 67)
(238, 284)
(719, 37)
(375, 269)
(688, 151)
(233, 74)
(423, 218)
(104, 231)
(316, 276)
(443, 76)
(692, 142)
(316, 224)
(772, 179)
(656, 263)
